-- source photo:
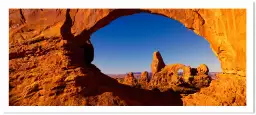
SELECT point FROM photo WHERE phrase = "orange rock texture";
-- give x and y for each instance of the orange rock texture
(50, 49)
(130, 79)
(157, 63)
(144, 79)
(226, 90)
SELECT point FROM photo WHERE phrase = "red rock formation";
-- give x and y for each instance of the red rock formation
(201, 80)
(130, 79)
(41, 52)
(157, 63)
(204, 22)
(128, 95)
(144, 79)
(226, 90)
(186, 73)
(202, 69)
(168, 76)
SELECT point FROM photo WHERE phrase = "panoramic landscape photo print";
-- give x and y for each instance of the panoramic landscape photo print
(127, 57)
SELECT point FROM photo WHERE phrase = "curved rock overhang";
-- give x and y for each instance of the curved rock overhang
(224, 29)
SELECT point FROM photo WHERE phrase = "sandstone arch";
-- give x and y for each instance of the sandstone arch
(37, 50)
(174, 68)
(223, 28)
(211, 26)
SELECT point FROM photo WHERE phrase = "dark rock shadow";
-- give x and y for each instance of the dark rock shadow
(80, 50)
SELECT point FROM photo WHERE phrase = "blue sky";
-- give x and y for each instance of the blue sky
(127, 44)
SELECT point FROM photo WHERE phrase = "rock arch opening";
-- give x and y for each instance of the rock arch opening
(129, 38)
(60, 35)
(199, 20)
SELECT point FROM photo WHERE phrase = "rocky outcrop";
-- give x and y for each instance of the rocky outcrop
(144, 79)
(130, 80)
(168, 76)
(46, 50)
(226, 90)
(199, 77)
(200, 81)
(186, 73)
(202, 69)
(157, 63)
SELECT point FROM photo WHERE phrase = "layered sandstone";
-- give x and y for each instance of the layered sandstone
(50, 48)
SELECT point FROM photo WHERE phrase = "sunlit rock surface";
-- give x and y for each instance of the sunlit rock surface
(47, 54)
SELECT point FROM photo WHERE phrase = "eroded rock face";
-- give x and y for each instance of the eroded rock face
(201, 81)
(130, 79)
(169, 76)
(186, 73)
(144, 76)
(202, 69)
(144, 79)
(157, 63)
(224, 91)
(204, 22)
(39, 50)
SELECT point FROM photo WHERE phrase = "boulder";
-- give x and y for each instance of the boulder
(202, 69)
